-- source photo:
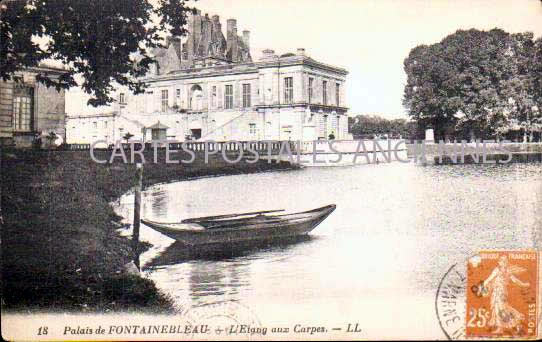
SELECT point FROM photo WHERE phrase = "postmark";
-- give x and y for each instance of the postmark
(225, 319)
(450, 302)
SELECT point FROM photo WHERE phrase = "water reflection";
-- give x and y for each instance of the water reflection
(178, 252)
(158, 203)
(218, 279)
(215, 274)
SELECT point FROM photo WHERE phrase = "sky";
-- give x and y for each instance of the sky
(370, 38)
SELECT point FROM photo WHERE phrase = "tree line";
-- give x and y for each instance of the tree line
(477, 84)
(372, 126)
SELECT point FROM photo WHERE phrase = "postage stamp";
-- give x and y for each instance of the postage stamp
(493, 294)
(502, 294)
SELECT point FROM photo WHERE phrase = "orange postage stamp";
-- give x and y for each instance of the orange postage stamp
(502, 294)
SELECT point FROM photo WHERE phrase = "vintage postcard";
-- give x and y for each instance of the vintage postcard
(270, 170)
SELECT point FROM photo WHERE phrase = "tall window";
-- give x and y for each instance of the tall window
(324, 92)
(311, 82)
(122, 99)
(246, 95)
(23, 108)
(228, 97)
(178, 96)
(213, 97)
(337, 94)
(322, 126)
(95, 125)
(334, 125)
(288, 90)
(164, 100)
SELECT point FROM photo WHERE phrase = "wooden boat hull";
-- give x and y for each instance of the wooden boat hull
(280, 226)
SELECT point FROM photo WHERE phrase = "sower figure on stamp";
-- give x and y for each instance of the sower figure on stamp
(503, 315)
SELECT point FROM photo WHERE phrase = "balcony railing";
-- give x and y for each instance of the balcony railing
(266, 147)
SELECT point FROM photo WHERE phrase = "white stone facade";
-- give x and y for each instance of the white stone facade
(288, 97)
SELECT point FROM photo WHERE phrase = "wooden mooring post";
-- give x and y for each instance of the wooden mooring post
(137, 212)
(1, 217)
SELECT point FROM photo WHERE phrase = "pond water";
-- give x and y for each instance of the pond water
(377, 260)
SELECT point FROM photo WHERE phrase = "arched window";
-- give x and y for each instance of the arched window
(196, 97)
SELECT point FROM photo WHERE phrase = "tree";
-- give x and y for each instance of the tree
(525, 88)
(466, 83)
(519, 88)
(426, 96)
(104, 42)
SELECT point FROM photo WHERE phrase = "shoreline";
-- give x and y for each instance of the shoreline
(479, 153)
(60, 245)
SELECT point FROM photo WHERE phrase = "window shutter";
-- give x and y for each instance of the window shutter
(220, 96)
(254, 89)
(158, 100)
(317, 90)
(236, 95)
(171, 97)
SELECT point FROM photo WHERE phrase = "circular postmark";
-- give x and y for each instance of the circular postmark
(450, 302)
(225, 319)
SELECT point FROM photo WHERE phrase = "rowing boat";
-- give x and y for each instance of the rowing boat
(253, 226)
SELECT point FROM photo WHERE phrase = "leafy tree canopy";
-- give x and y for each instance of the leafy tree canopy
(102, 41)
(474, 80)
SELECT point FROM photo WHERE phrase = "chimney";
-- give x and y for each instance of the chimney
(231, 38)
(194, 32)
(268, 54)
(197, 28)
(246, 38)
(300, 51)
(216, 26)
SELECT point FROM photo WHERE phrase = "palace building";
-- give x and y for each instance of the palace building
(207, 87)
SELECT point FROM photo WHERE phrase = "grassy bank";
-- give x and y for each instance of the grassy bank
(60, 248)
